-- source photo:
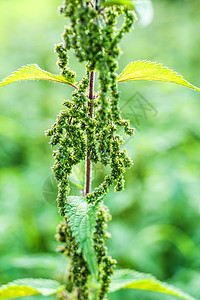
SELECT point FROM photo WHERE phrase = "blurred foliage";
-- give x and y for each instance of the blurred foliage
(156, 220)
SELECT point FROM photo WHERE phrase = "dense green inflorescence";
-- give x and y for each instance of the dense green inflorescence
(87, 127)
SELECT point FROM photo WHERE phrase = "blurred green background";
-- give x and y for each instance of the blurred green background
(156, 220)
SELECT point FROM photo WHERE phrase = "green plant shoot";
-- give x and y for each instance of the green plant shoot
(87, 130)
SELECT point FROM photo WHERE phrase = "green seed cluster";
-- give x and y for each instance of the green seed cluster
(78, 271)
(63, 62)
(94, 38)
(87, 126)
(68, 134)
(106, 263)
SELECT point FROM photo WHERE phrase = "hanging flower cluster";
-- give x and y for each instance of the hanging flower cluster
(88, 125)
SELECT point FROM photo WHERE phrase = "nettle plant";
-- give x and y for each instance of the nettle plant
(86, 130)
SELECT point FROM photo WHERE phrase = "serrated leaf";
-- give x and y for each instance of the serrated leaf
(29, 287)
(117, 2)
(34, 72)
(129, 279)
(147, 70)
(81, 217)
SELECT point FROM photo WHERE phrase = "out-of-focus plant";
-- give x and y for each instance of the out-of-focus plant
(87, 130)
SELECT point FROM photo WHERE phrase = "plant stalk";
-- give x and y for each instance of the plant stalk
(88, 167)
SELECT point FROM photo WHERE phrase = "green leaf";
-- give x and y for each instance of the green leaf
(34, 72)
(117, 2)
(147, 70)
(29, 287)
(81, 217)
(129, 279)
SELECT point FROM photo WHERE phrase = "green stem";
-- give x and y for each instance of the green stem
(91, 106)
(88, 167)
